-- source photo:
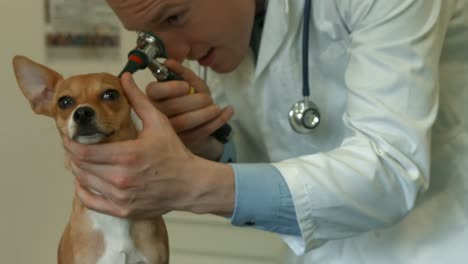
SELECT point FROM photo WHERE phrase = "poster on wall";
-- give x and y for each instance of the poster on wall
(83, 29)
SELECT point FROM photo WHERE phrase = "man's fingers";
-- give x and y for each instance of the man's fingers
(208, 128)
(104, 154)
(139, 101)
(188, 75)
(97, 202)
(195, 118)
(164, 90)
(187, 103)
(106, 181)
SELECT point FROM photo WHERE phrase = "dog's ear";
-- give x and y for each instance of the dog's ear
(37, 82)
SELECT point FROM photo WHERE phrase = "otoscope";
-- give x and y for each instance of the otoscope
(149, 47)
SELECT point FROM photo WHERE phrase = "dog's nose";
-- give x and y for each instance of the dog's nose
(83, 115)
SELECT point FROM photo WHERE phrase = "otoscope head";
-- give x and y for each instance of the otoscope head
(149, 46)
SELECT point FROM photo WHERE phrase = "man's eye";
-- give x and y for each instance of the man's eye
(110, 95)
(173, 20)
(178, 19)
(65, 102)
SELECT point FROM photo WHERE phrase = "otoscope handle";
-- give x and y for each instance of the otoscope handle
(172, 76)
(222, 134)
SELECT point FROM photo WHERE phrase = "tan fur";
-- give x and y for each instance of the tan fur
(80, 243)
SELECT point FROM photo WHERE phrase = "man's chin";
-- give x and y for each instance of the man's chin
(226, 67)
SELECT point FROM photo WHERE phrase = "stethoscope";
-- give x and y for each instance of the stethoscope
(304, 116)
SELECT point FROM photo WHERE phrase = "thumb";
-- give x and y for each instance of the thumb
(139, 101)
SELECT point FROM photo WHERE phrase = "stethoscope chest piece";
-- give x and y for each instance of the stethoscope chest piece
(304, 116)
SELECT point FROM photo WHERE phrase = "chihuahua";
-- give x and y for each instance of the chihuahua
(92, 109)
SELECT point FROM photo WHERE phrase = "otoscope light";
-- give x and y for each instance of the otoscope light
(151, 45)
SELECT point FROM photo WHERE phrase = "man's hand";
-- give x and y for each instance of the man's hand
(193, 116)
(150, 175)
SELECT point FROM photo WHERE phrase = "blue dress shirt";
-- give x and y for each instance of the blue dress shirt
(263, 199)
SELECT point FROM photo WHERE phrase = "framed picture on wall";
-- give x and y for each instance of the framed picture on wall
(84, 29)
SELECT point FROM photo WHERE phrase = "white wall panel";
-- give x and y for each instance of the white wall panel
(211, 235)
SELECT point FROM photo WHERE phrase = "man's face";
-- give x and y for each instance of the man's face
(216, 33)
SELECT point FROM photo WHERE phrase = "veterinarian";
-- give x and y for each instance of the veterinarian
(383, 178)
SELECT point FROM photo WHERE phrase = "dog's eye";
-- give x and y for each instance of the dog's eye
(110, 95)
(65, 102)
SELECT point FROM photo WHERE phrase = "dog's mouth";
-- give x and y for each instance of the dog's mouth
(90, 135)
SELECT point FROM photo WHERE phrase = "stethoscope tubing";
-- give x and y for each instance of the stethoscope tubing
(305, 50)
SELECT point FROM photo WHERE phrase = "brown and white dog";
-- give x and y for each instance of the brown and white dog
(92, 109)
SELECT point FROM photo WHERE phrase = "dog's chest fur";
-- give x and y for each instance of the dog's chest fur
(119, 247)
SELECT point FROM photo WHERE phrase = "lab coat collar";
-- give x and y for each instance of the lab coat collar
(274, 32)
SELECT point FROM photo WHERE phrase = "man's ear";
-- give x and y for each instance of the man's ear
(37, 82)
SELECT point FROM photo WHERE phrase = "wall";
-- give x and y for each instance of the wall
(36, 190)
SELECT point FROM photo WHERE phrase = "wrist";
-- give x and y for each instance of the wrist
(213, 190)
(210, 149)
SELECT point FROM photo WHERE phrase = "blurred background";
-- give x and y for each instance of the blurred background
(35, 189)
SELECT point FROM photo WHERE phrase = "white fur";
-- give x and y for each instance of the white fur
(119, 246)
(71, 125)
(96, 138)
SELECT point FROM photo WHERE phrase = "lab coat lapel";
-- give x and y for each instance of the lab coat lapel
(274, 32)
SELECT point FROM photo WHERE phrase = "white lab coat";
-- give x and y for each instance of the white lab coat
(366, 186)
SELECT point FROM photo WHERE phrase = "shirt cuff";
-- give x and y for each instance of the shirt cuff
(263, 200)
